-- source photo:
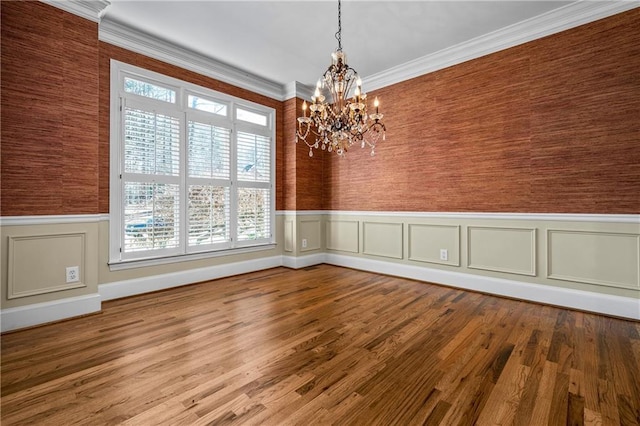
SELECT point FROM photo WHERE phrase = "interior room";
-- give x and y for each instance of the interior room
(320, 212)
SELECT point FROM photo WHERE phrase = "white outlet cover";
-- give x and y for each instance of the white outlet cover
(73, 274)
(444, 254)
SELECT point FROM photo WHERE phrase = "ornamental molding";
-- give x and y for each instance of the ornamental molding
(145, 44)
(552, 22)
(88, 9)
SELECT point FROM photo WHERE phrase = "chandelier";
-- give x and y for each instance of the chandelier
(343, 121)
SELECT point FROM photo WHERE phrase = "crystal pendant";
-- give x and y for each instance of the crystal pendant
(310, 153)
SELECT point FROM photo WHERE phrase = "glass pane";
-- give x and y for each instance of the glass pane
(209, 150)
(151, 216)
(208, 215)
(151, 143)
(202, 104)
(149, 90)
(253, 214)
(251, 117)
(254, 157)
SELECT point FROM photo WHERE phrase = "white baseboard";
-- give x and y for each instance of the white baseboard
(132, 287)
(42, 313)
(625, 307)
(303, 261)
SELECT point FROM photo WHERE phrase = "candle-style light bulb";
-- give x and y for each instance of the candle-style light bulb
(376, 103)
(316, 94)
(304, 108)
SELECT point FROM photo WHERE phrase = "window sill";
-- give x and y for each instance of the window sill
(121, 265)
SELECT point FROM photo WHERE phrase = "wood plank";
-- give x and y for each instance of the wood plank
(322, 345)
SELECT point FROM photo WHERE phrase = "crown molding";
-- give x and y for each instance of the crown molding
(557, 20)
(572, 15)
(88, 9)
(297, 89)
(137, 41)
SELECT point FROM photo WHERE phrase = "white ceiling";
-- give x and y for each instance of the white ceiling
(286, 41)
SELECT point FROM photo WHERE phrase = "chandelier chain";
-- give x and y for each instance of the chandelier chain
(338, 34)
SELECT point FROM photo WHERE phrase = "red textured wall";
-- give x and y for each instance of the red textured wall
(303, 174)
(49, 100)
(551, 126)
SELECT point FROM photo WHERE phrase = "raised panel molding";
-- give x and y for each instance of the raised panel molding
(311, 230)
(502, 249)
(33, 270)
(288, 235)
(343, 235)
(603, 258)
(426, 240)
(382, 239)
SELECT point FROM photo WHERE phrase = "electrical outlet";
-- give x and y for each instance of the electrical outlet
(73, 274)
(444, 254)
(304, 243)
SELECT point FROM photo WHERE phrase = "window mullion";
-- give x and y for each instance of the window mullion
(184, 186)
(233, 191)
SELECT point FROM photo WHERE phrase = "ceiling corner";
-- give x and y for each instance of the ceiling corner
(88, 9)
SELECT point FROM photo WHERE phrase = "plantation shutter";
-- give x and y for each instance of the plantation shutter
(254, 188)
(150, 179)
(192, 171)
(209, 184)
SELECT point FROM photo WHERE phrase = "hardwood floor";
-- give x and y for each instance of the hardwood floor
(323, 345)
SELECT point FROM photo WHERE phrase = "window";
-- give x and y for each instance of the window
(192, 170)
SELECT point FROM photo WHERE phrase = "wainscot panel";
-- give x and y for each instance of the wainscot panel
(310, 230)
(343, 235)
(511, 250)
(382, 239)
(426, 242)
(288, 235)
(37, 263)
(604, 258)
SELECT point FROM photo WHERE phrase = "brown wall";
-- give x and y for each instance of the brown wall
(49, 139)
(549, 126)
(55, 111)
(304, 174)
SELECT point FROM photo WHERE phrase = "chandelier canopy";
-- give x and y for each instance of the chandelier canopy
(343, 121)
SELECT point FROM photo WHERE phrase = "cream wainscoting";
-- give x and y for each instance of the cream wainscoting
(587, 262)
(343, 235)
(500, 249)
(37, 251)
(426, 240)
(41, 247)
(382, 239)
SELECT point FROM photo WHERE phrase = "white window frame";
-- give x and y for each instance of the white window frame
(180, 109)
